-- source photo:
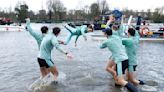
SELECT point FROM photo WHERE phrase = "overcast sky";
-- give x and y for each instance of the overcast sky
(36, 5)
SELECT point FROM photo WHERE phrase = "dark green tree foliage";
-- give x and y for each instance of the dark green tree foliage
(22, 12)
(158, 16)
(57, 12)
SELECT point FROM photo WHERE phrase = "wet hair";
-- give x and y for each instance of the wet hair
(108, 31)
(56, 30)
(90, 26)
(131, 31)
(44, 29)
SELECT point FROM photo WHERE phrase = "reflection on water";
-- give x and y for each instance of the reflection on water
(85, 73)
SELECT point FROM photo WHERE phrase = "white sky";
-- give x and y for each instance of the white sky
(36, 5)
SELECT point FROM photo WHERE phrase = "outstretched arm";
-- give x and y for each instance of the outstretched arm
(104, 45)
(34, 34)
(59, 48)
(57, 45)
(137, 36)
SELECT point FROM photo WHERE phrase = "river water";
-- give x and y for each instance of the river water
(85, 73)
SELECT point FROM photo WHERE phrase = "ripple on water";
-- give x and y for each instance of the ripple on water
(85, 73)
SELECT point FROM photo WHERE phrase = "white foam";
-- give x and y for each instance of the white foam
(147, 88)
(43, 84)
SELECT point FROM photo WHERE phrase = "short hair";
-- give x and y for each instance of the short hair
(44, 29)
(56, 30)
(108, 31)
(90, 26)
(131, 31)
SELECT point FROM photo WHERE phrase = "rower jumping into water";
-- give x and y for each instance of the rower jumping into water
(38, 37)
(131, 44)
(78, 31)
(114, 44)
(46, 47)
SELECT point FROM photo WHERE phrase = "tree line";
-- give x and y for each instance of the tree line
(57, 12)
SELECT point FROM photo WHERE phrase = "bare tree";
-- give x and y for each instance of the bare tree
(49, 7)
(103, 4)
(94, 10)
(58, 9)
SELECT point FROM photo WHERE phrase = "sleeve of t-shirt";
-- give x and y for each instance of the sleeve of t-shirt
(121, 30)
(103, 45)
(125, 41)
(57, 45)
(137, 36)
(32, 33)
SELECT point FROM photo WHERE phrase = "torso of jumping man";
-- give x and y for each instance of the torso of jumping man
(114, 44)
(131, 45)
(80, 30)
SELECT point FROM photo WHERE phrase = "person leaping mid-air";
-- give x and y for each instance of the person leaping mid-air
(78, 31)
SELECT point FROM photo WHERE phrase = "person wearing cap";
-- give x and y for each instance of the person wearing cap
(114, 44)
(78, 31)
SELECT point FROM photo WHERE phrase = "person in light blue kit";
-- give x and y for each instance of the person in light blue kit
(38, 37)
(48, 43)
(131, 44)
(117, 30)
(78, 31)
(114, 44)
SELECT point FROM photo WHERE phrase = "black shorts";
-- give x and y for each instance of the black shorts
(124, 64)
(43, 63)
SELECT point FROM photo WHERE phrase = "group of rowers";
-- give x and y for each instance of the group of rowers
(123, 48)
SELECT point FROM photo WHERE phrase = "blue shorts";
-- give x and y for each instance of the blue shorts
(121, 67)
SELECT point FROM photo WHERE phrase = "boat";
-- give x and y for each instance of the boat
(11, 28)
(101, 37)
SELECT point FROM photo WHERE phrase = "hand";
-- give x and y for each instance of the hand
(69, 56)
(62, 42)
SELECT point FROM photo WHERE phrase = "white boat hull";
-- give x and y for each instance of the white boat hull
(11, 28)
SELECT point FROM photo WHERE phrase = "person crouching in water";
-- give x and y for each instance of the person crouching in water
(114, 44)
(50, 41)
(78, 31)
(131, 44)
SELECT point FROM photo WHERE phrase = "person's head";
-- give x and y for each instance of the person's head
(131, 32)
(56, 31)
(112, 17)
(44, 29)
(115, 26)
(90, 28)
(107, 32)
